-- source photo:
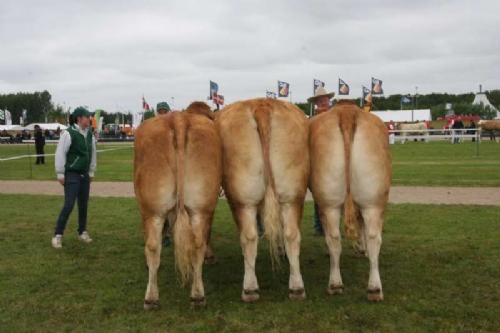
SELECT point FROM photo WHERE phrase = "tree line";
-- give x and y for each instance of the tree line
(41, 108)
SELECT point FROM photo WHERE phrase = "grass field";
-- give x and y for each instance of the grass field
(416, 163)
(439, 266)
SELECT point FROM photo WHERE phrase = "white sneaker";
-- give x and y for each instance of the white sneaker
(84, 237)
(57, 241)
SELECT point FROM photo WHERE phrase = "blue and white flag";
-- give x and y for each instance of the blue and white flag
(270, 94)
(405, 100)
(214, 89)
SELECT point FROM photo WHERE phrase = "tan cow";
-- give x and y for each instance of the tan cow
(490, 125)
(351, 167)
(177, 178)
(265, 172)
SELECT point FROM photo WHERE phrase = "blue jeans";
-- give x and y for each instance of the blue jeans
(76, 187)
(317, 222)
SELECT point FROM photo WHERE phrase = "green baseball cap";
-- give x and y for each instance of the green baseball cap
(162, 106)
(81, 112)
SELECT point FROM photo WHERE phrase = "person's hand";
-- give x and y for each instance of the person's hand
(61, 181)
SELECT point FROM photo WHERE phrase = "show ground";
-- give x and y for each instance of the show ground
(399, 194)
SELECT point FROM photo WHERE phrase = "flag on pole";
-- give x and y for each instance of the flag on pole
(316, 84)
(270, 94)
(218, 99)
(2, 114)
(145, 105)
(8, 117)
(283, 89)
(25, 116)
(405, 100)
(377, 87)
(343, 87)
(214, 90)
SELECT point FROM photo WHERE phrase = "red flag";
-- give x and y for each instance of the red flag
(145, 106)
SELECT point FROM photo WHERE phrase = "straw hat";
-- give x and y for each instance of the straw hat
(320, 91)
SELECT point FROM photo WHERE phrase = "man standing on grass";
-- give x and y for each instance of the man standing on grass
(322, 103)
(75, 167)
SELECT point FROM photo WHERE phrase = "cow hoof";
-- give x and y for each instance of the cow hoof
(198, 302)
(335, 290)
(375, 295)
(297, 294)
(151, 305)
(250, 296)
(210, 260)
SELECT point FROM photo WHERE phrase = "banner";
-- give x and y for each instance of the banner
(343, 87)
(283, 89)
(316, 84)
(2, 114)
(24, 117)
(377, 87)
(214, 90)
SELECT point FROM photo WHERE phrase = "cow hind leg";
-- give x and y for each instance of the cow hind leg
(152, 250)
(200, 224)
(249, 239)
(331, 225)
(291, 214)
(373, 235)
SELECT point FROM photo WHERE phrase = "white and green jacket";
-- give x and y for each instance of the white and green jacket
(76, 151)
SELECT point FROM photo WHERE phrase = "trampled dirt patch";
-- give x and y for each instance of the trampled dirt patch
(399, 194)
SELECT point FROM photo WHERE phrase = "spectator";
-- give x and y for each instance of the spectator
(322, 102)
(39, 145)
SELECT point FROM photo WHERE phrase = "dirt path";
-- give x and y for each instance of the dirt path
(399, 194)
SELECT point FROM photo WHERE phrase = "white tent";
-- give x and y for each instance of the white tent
(45, 126)
(404, 115)
(481, 98)
(11, 128)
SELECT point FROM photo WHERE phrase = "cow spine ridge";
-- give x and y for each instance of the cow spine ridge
(184, 239)
(271, 210)
(347, 122)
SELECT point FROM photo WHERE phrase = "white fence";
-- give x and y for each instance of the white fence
(453, 135)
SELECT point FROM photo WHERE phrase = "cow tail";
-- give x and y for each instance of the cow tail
(348, 127)
(271, 210)
(184, 239)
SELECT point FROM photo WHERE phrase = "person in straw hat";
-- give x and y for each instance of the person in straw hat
(321, 99)
(322, 102)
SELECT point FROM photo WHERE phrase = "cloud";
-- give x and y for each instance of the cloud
(107, 54)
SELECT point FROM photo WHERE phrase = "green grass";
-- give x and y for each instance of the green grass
(414, 163)
(116, 164)
(439, 267)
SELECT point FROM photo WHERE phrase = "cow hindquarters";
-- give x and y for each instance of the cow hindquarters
(152, 233)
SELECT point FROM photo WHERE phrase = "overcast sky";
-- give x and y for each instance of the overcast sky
(107, 54)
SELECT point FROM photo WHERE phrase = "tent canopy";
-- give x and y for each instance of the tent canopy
(11, 128)
(404, 115)
(46, 126)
